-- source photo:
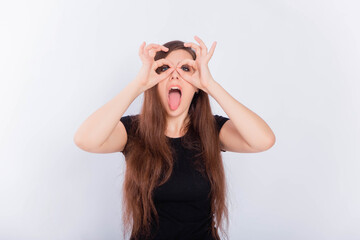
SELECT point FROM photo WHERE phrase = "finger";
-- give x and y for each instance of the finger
(194, 46)
(152, 45)
(186, 77)
(156, 46)
(161, 62)
(141, 49)
(212, 49)
(180, 72)
(152, 51)
(166, 74)
(202, 45)
(187, 61)
(189, 65)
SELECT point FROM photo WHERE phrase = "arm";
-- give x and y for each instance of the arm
(102, 131)
(245, 131)
(94, 131)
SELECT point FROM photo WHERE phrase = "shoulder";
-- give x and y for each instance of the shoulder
(220, 121)
(129, 119)
(130, 122)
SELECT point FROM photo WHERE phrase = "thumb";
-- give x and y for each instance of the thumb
(166, 74)
(183, 75)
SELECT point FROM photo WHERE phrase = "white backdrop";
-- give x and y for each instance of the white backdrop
(294, 63)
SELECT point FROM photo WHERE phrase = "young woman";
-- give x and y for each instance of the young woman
(174, 185)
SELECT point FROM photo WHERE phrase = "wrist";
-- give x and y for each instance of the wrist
(137, 84)
(211, 86)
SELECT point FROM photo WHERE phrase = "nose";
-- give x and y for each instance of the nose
(175, 74)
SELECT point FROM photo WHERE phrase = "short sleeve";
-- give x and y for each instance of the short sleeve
(220, 121)
(128, 122)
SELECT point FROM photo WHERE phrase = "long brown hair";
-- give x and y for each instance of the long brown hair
(149, 160)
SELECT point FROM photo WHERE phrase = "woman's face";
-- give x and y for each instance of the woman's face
(175, 103)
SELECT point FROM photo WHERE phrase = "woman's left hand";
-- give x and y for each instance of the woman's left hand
(199, 74)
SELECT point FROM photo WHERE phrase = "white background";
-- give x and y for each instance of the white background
(294, 63)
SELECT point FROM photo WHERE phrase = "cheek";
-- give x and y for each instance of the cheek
(188, 94)
(159, 87)
(161, 91)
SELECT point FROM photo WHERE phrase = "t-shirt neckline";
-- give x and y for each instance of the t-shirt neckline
(177, 138)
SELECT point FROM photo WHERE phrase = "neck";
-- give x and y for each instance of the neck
(175, 125)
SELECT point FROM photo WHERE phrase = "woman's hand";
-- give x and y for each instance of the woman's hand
(147, 76)
(198, 73)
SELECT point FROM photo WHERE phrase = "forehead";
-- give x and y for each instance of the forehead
(178, 55)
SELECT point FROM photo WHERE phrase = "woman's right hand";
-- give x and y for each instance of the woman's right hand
(147, 76)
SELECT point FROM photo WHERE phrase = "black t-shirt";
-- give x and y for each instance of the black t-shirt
(182, 202)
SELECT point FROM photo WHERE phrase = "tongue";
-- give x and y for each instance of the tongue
(174, 100)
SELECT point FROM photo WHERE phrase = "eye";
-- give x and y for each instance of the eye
(164, 68)
(185, 68)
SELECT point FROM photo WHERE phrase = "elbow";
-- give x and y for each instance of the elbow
(77, 140)
(80, 144)
(266, 145)
(84, 144)
(270, 142)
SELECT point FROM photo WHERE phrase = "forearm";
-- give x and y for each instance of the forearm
(251, 127)
(98, 126)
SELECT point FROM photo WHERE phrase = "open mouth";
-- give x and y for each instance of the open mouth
(174, 98)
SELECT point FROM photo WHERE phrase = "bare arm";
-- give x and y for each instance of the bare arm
(102, 131)
(245, 131)
(94, 131)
